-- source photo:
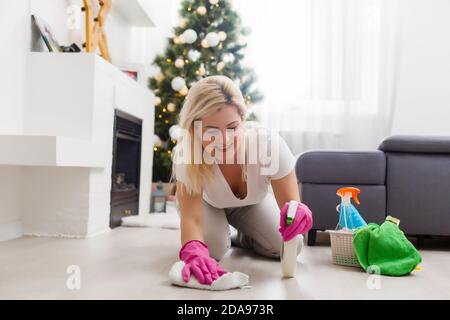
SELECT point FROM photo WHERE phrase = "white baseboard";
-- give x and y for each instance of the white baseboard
(10, 230)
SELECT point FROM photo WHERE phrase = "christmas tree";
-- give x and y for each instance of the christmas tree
(209, 40)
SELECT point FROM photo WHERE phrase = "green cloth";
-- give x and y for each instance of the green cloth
(385, 247)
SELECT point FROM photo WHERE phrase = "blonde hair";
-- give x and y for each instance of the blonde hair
(205, 97)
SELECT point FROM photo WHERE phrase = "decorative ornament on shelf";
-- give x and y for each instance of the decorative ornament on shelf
(201, 10)
(189, 36)
(157, 101)
(222, 35)
(184, 91)
(212, 39)
(178, 83)
(95, 33)
(171, 107)
(193, 55)
(179, 63)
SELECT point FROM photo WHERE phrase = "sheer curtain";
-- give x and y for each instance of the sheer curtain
(326, 67)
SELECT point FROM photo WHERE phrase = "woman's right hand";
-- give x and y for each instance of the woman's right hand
(195, 255)
(301, 224)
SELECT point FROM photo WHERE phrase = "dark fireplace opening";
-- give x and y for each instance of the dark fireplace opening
(126, 165)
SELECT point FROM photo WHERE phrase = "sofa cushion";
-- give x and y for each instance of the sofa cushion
(346, 167)
(418, 192)
(416, 144)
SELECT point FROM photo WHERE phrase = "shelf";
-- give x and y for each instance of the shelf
(136, 12)
(53, 151)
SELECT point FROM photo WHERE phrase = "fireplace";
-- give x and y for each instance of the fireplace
(125, 167)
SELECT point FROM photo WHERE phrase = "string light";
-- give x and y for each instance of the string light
(171, 107)
(164, 109)
(184, 91)
(178, 40)
(201, 10)
(155, 149)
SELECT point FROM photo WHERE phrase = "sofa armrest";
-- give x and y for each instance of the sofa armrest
(342, 167)
(416, 144)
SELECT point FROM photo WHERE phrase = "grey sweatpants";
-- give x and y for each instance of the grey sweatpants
(257, 227)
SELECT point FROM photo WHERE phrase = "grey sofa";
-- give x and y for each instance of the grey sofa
(408, 177)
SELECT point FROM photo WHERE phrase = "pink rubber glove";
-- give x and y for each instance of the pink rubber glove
(302, 221)
(196, 257)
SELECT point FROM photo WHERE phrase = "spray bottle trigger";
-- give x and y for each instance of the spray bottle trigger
(353, 192)
(355, 197)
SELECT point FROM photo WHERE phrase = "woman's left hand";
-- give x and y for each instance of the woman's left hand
(301, 224)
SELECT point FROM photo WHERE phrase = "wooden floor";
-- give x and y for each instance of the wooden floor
(132, 263)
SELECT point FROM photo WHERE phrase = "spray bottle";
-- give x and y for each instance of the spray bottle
(289, 248)
(349, 217)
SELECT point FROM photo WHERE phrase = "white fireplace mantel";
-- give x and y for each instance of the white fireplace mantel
(51, 151)
(67, 142)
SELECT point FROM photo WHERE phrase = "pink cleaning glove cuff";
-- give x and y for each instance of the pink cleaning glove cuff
(193, 248)
(195, 255)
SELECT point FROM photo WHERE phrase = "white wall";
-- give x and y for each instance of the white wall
(423, 96)
(14, 44)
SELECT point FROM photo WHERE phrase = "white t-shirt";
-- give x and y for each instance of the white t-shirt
(260, 171)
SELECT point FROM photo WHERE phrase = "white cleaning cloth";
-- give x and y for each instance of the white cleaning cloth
(168, 220)
(227, 281)
(153, 220)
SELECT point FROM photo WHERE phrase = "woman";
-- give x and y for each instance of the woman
(222, 180)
